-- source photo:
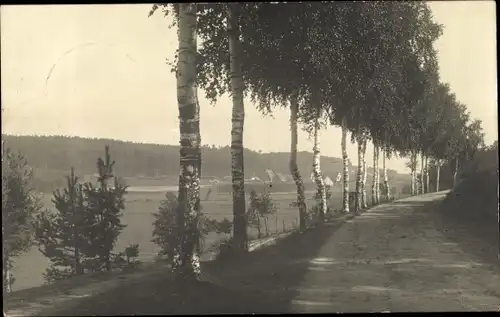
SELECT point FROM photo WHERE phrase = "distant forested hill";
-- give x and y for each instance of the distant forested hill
(53, 156)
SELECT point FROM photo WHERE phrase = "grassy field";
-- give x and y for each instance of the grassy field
(28, 268)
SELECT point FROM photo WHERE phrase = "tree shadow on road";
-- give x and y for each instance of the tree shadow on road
(409, 203)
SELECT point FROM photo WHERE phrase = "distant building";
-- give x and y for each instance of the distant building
(270, 174)
(281, 177)
(328, 181)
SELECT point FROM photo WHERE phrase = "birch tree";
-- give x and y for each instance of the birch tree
(240, 242)
(318, 177)
(185, 259)
(294, 169)
(273, 63)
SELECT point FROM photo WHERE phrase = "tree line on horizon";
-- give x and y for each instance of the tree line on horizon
(369, 67)
(147, 160)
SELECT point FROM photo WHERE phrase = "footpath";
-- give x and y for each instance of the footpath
(393, 258)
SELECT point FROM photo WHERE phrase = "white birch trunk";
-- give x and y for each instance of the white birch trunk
(365, 175)
(318, 177)
(386, 177)
(374, 181)
(294, 169)
(185, 260)
(413, 190)
(412, 187)
(345, 174)
(8, 283)
(427, 181)
(455, 172)
(6, 274)
(422, 173)
(240, 239)
(377, 173)
(438, 172)
(359, 176)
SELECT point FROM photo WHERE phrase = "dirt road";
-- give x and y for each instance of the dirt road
(391, 258)
(395, 257)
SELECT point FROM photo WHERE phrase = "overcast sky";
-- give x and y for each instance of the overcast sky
(100, 71)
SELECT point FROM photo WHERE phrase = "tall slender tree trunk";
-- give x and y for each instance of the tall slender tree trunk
(387, 188)
(374, 178)
(455, 172)
(238, 119)
(186, 260)
(7, 283)
(365, 175)
(427, 181)
(318, 177)
(438, 172)
(359, 177)
(294, 169)
(413, 167)
(258, 227)
(422, 173)
(416, 174)
(345, 164)
(412, 186)
(417, 182)
(377, 173)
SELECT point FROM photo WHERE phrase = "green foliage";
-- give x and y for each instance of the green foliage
(132, 252)
(476, 197)
(127, 259)
(313, 213)
(224, 226)
(104, 206)
(165, 228)
(260, 206)
(80, 236)
(54, 273)
(63, 236)
(225, 248)
(165, 231)
(20, 205)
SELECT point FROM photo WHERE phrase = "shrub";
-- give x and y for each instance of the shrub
(62, 236)
(165, 228)
(127, 260)
(313, 215)
(20, 205)
(260, 206)
(80, 236)
(224, 248)
(54, 273)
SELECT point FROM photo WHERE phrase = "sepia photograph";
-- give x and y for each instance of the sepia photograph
(249, 158)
